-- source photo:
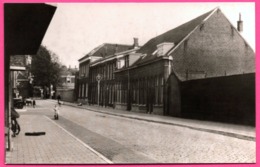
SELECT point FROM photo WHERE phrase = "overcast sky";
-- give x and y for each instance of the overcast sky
(77, 28)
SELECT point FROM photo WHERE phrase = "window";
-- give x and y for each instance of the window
(82, 91)
(110, 71)
(156, 90)
(68, 79)
(79, 90)
(86, 90)
(72, 80)
(114, 67)
(160, 91)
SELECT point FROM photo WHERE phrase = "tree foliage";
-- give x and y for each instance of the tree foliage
(46, 68)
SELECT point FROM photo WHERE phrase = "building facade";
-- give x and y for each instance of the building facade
(67, 88)
(197, 70)
(101, 63)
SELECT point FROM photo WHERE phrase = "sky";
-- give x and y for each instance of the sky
(77, 28)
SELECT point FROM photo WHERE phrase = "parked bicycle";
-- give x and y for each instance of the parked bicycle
(15, 127)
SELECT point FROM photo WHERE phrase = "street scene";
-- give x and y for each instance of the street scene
(129, 83)
(100, 136)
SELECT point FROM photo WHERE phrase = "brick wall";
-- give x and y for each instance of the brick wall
(226, 99)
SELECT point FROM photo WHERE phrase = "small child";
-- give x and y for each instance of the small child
(56, 112)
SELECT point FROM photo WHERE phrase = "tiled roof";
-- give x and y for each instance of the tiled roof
(173, 36)
(107, 49)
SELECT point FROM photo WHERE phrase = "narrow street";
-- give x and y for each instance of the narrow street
(97, 138)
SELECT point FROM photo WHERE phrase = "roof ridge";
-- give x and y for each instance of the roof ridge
(207, 13)
(175, 35)
(116, 44)
(210, 13)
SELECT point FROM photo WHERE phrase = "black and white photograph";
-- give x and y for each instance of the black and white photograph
(129, 83)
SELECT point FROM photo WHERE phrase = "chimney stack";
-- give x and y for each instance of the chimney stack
(136, 43)
(240, 24)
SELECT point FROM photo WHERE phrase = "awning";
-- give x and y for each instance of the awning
(25, 25)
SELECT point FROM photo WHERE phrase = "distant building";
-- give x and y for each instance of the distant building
(67, 88)
(202, 69)
(20, 72)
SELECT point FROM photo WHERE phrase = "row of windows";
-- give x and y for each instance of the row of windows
(83, 90)
(106, 96)
(142, 91)
(106, 71)
(84, 69)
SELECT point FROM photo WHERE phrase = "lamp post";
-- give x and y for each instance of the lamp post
(98, 78)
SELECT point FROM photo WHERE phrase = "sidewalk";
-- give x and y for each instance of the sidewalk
(232, 130)
(57, 146)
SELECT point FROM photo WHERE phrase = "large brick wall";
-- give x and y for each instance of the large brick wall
(226, 99)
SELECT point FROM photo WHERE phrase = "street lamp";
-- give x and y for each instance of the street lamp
(98, 78)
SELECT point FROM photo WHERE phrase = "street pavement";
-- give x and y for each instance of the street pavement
(59, 144)
(238, 131)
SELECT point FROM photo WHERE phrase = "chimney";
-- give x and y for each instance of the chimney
(136, 45)
(240, 24)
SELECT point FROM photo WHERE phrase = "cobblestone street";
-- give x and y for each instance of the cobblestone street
(82, 136)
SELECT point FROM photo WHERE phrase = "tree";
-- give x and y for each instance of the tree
(46, 69)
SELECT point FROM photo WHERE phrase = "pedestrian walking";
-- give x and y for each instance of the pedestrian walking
(15, 127)
(56, 112)
(34, 103)
(59, 98)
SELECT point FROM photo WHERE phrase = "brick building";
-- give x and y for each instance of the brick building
(102, 61)
(203, 69)
(20, 66)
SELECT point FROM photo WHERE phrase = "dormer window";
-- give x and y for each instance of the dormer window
(163, 48)
(120, 63)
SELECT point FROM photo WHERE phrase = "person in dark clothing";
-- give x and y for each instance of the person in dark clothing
(34, 103)
(15, 127)
(59, 98)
